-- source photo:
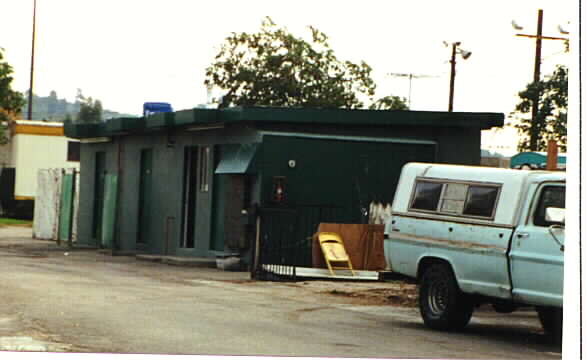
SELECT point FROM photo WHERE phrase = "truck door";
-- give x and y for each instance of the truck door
(537, 257)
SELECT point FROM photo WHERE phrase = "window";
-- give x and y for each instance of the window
(204, 168)
(481, 201)
(453, 198)
(551, 196)
(72, 151)
(427, 195)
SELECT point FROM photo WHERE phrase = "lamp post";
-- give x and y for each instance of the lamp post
(465, 55)
(30, 94)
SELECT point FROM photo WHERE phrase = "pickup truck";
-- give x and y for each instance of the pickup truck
(475, 235)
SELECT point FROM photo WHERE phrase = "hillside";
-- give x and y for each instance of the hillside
(51, 108)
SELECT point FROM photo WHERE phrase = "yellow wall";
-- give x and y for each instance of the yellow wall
(33, 152)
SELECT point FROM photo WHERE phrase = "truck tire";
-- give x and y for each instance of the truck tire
(551, 319)
(441, 303)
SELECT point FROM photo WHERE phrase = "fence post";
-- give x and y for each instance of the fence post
(70, 237)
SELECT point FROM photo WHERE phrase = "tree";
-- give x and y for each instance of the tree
(275, 68)
(552, 114)
(389, 103)
(11, 101)
(90, 110)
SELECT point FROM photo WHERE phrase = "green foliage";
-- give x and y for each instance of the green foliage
(275, 68)
(90, 110)
(10, 101)
(552, 114)
(389, 103)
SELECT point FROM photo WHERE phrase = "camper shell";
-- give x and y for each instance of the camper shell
(512, 184)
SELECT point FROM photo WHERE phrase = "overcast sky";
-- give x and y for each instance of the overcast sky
(129, 52)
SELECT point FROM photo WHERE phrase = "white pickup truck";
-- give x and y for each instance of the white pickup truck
(473, 235)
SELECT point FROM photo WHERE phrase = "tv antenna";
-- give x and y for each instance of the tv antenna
(411, 77)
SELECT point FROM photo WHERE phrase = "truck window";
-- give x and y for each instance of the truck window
(481, 201)
(426, 195)
(551, 196)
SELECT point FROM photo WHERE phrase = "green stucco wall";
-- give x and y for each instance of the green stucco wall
(347, 169)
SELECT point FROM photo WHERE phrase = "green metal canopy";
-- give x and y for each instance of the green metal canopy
(238, 159)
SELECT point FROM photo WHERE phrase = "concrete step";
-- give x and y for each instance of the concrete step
(180, 260)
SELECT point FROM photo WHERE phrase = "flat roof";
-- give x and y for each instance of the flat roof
(341, 117)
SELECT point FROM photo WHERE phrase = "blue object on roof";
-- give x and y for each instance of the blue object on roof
(150, 108)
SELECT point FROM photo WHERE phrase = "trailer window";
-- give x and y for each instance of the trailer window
(73, 151)
(427, 195)
(481, 201)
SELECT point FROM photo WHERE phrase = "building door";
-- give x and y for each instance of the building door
(218, 218)
(189, 197)
(145, 196)
(99, 177)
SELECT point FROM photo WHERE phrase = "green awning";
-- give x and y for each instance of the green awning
(237, 159)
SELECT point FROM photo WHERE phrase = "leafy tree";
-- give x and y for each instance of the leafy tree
(10, 101)
(275, 68)
(389, 103)
(552, 114)
(90, 110)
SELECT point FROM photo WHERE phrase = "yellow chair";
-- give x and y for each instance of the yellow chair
(334, 252)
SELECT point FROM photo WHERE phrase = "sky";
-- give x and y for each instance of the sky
(125, 53)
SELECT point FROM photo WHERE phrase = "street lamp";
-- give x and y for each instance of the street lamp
(465, 55)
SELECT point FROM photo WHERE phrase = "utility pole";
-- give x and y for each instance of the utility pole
(533, 137)
(465, 55)
(30, 95)
(452, 77)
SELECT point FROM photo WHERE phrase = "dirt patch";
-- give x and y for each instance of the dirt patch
(395, 293)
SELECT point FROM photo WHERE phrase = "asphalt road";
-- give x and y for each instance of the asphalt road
(89, 302)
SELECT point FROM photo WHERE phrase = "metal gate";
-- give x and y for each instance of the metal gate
(285, 239)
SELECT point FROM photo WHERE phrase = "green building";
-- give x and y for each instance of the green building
(213, 182)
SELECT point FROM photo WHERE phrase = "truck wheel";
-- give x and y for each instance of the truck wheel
(551, 319)
(441, 303)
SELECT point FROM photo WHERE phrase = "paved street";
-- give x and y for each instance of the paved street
(84, 301)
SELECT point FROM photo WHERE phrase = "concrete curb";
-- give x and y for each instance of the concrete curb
(180, 261)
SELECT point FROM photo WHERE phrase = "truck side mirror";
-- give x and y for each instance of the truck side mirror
(555, 215)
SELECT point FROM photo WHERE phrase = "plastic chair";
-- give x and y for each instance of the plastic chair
(334, 252)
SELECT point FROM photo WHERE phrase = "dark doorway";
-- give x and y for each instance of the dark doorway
(189, 197)
(144, 195)
(100, 175)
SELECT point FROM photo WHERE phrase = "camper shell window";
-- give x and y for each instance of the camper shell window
(426, 196)
(464, 199)
(481, 201)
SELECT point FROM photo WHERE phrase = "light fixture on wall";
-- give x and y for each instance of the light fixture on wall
(279, 190)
